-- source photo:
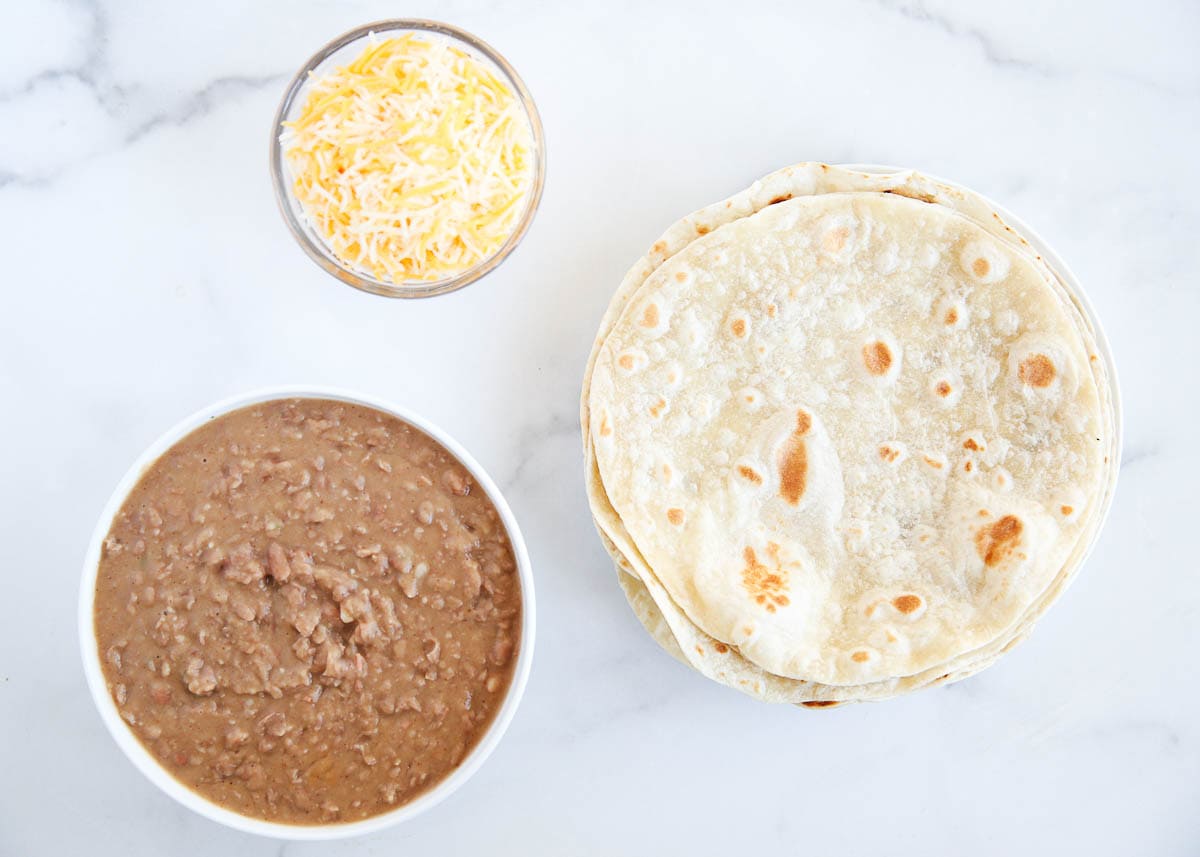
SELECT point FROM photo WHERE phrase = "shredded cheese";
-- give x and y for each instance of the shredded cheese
(413, 161)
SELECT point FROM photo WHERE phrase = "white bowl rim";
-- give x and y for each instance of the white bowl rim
(150, 767)
(1075, 288)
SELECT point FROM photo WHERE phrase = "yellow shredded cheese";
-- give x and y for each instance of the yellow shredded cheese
(413, 161)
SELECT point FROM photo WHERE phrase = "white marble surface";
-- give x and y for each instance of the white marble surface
(148, 273)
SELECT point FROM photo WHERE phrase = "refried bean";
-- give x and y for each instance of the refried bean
(308, 611)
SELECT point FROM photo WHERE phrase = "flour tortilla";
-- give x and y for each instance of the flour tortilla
(671, 628)
(803, 695)
(821, 448)
(724, 664)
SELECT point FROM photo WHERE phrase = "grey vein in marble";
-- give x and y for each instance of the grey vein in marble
(193, 106)
(994, 55)
(531, 442)
(1137, 453)
(93, 74)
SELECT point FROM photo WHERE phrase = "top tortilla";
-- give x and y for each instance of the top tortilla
(801, 372)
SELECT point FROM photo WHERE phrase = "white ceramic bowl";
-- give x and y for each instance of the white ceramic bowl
(158, 775)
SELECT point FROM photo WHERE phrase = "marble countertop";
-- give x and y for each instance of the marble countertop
(149, 274)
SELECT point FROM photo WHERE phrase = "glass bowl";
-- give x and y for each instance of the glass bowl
(343, 50)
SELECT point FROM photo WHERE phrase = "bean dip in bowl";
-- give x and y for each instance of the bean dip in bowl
(306, 614)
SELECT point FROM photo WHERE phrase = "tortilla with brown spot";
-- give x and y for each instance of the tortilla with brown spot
(771, 344)
(1037, 371)
(877, 357)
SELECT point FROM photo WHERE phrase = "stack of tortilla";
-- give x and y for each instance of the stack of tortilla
(847, 436)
